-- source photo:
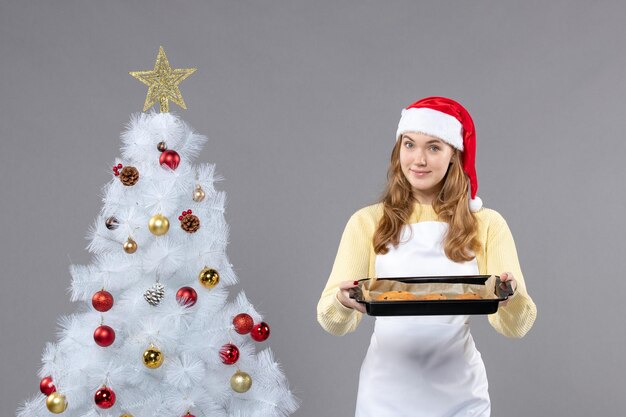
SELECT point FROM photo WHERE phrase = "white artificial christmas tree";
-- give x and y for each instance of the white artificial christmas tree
(155, 334)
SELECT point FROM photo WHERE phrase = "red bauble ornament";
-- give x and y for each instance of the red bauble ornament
(102, 301)
(229, 354)
(104, 336)
(186, 296)
(243, 323)
(260, 332)
(46, 386)
(105, 397)
(189, 415)
(170, 158)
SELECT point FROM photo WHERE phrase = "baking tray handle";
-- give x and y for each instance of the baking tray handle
(356, 293)
(503, 289)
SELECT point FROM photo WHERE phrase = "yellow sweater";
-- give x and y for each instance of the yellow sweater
(356, 259)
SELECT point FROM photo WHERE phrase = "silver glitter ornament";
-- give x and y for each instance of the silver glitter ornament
(111, 223)
(155, 294)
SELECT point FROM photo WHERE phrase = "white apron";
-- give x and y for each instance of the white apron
(426, 366)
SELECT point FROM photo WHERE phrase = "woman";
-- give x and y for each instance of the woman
(426, 225)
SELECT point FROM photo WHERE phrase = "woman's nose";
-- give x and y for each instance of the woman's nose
(420, 158)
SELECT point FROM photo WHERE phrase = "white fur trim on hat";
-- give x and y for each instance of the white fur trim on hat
(432, 122)
(475, 204)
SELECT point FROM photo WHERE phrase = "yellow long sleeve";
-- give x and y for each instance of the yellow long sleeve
(517, 317)
(356, 259)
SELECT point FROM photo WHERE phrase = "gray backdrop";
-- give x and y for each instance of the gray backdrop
(300, 100)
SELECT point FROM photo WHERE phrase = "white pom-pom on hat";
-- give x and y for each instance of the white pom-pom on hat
(475, 204)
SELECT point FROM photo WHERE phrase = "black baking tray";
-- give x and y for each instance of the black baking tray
(435, 307)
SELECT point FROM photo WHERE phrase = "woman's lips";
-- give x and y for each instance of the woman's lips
(420, 173)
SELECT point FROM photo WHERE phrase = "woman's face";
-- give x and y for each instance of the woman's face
(424, 160)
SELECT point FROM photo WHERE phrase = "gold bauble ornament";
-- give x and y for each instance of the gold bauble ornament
(198, 194)
(126, 415)
(159, 224)
(130, 246)
(209, 277)
(240, 382)
(153, 357)
(56, 403)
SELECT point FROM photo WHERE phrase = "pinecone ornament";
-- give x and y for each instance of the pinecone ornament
(189, 222)
(155, 294)
(129, 176)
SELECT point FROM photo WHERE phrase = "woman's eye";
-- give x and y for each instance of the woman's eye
(408, 144)
(434, 148)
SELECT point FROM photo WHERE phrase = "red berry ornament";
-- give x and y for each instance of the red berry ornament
(170, 158)
(243, 323)
(105, 397)
(46, 386)
(186, 296)
(116, 169)
(260, 332)
(104, 336)
(229, 354)
(102, 301)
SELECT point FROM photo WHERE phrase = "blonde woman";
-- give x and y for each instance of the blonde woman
(429, 222)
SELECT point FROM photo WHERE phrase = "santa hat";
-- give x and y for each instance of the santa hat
(449, 121)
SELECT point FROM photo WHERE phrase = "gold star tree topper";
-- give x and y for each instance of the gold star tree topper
(163, 83)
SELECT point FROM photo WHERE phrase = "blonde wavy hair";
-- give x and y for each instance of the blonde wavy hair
(451, 205)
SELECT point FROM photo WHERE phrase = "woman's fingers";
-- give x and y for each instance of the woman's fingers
(359, 307)
(507, 276)
(344, 285)
(344, 296)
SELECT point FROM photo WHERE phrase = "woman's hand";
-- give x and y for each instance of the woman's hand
(344, 296)
(507, 277)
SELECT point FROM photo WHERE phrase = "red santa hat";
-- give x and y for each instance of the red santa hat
(449, 121)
